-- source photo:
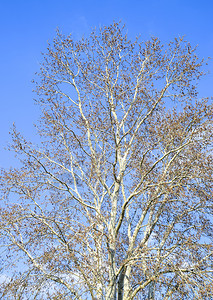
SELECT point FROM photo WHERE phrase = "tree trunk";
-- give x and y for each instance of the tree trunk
(151, 292)
(121, 284)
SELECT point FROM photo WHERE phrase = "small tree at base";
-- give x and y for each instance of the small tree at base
(116, 201)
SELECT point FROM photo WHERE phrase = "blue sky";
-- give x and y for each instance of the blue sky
(27, 25)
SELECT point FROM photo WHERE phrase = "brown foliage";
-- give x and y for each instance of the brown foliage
(116, 201)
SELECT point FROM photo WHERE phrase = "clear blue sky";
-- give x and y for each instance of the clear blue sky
(27, 25)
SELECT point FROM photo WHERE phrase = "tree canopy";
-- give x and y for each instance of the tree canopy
(116, 200)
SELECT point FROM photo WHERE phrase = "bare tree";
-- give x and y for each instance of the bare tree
(116, 201)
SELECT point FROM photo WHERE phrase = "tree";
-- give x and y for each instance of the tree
(116, 200)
